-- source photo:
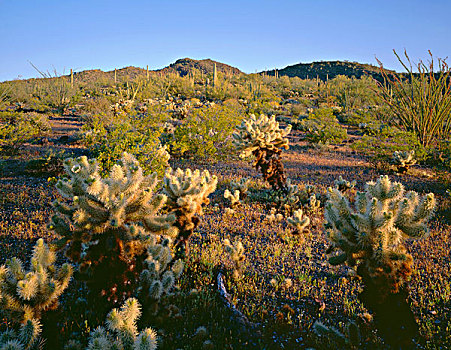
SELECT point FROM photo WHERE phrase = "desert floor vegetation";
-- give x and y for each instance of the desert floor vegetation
(282, 292)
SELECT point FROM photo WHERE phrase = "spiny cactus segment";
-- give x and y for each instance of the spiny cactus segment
(343, 185)
(160, 272)
(121, 332)
(187, 191)
(262, 137)
(108, 225)
(403, 160)
(370, 235)
(24, 295)
(236, 252)
(299, 221)
(234, 198)
(242, 185)
(27, 338)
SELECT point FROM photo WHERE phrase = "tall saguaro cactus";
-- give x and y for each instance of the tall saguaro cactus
(107, 227)
(262, 137)
(370, 237)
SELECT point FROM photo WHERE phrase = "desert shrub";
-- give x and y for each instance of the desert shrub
(96, 106)
(380, 148)
(107, 143)
(321, 126)
(54, 91)
(205, 133)
(18, 128)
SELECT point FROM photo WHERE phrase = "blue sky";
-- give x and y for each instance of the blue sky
(251, 35)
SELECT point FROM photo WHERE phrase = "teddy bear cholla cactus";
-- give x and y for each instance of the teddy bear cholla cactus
(242, 185)
(24, 295)
(344, 185)
(108, 225)
(234, 198)
(122, 332)
(299, 221)
(187, 191)
(236, 252)
(371, 235)
(26, 338)
(161, 271)
(403, 160)
(262, 138)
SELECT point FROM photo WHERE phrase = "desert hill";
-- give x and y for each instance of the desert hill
(329, 69)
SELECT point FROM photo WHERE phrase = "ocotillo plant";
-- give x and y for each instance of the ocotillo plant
(262, 138)
(186, 192)
(24, 295)
(121, 331)
(370, 237)
(101, 228)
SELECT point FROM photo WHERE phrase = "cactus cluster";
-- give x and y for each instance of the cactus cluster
(187, 191)
(403, 160)
(343, 185)
(24, 295)
(262, 137)
(370, 236)
(27, 338)
(109, 222)
(121, 331)
(236, 252)
(161, 271)
(234, 198)
(299, 221)
(242, 185)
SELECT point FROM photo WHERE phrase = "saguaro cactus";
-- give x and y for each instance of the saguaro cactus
(186, 192)
(108, 226)
(262, 138)
(370, 236)
(24, 295)
(122, 332)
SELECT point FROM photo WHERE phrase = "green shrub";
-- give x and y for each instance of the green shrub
(322, 126)
(107, 143)
(380, 148)
(18, 128)
(206, 133)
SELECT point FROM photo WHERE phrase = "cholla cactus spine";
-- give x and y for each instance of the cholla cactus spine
(26, 294)
(371, 235)
(242, 185)
(26, 338)
(123, 333)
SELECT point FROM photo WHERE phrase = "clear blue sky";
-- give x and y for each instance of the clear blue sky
(251, 35)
